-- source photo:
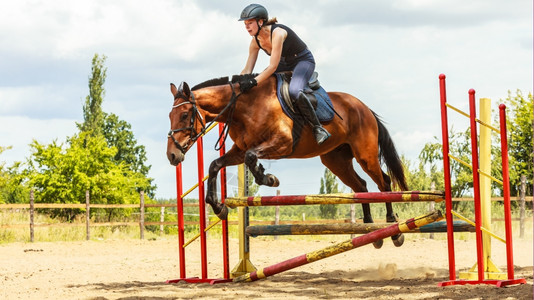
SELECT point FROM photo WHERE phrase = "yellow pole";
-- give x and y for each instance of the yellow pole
(244, 265)
(485, 182)
(491, 271)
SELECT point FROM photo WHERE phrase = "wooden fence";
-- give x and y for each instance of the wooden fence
(141, 223)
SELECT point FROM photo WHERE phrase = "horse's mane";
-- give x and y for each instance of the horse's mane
(211, 82)
(221, 81)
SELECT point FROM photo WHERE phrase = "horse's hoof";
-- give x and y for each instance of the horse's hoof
(378, 244)
(392, 219)
(272, 180)
(398, 239)
(223, 213)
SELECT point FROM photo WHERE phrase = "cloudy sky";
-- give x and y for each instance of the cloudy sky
(387, 53)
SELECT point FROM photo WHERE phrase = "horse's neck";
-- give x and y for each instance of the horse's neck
(213, 100)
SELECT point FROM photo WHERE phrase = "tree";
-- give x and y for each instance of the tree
(329, 185)
(519, 123)
(520, 135)
(92, 110)
(252, 187)
(117, 132)
(421, 176)
(459, 147)
(3, 177)
(12, 187)
(62, 173)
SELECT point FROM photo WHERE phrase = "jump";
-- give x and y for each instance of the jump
(261, 130)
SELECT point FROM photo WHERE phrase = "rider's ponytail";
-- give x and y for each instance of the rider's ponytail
(271, 21)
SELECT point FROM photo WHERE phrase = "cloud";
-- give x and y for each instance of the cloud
(387, 53)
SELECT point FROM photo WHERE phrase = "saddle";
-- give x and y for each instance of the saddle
(317, 95)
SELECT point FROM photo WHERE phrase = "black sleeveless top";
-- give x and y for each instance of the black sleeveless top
(292, 44)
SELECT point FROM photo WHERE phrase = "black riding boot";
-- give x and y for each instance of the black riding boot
(306, 109)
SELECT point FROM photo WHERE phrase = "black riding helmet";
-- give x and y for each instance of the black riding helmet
(254, 11)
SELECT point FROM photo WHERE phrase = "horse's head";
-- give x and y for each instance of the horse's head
(187, 123)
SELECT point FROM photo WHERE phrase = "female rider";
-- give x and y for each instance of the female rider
(288, 53)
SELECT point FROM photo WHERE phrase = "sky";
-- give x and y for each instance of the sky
(389, 54)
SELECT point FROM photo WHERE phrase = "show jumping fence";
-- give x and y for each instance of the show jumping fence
(480, 165)
(245, 270)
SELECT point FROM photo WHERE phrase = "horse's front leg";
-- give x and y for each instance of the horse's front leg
(258, 171)
(232, 157)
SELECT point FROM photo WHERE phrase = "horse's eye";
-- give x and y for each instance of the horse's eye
(184, 116)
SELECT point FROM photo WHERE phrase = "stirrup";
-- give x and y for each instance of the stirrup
(321, 134)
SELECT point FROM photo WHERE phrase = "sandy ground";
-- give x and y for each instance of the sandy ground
(133, 269)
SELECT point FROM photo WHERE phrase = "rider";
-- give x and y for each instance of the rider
(288, 53)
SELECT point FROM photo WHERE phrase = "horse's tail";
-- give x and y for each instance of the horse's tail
(389, 155)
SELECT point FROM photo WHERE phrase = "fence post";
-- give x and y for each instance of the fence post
(31, 216)
(142, 215)
(353, 217)
(431, 205)
(522, 206)
(161, 219)
(87, 216)
(277, 214)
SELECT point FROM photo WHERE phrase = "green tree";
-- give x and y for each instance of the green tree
(62, 173)
(329, 185)
(520, 135)
(519, 123)
(118, 133)
(93, 115)
(12, 186)
(253, 188)
(4, 178)
(459, 147)
(420, 177)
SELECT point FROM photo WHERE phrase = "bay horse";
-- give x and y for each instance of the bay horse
(261, 130)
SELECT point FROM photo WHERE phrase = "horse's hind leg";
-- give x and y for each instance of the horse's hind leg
(371, 166)
(339, 161)
(257, 170)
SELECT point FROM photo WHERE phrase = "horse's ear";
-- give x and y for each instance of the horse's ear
(184, 89)
(174, 90)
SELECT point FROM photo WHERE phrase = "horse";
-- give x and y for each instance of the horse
(260, 129)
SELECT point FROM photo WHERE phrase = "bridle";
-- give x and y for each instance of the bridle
(194, 135)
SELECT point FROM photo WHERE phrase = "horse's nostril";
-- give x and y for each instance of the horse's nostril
(173, 156)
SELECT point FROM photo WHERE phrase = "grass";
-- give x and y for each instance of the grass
(77, 230)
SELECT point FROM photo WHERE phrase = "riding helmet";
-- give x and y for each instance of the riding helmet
(254, 11)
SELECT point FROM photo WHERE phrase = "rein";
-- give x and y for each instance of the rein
(193, 137)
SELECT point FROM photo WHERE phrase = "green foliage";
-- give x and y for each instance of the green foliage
(118, 133)
(253, 188)
(329, 185)
(520, 152)
(423, 178)
(92, 110)
(62, 174)
(519, 123)
(459, 147)
(3, 177)
(12, 187)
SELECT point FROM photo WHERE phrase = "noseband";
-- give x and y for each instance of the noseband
(194, 135)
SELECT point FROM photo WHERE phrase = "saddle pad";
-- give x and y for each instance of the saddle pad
(324, 110)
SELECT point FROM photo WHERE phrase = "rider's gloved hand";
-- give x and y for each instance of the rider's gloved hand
(247, 84)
